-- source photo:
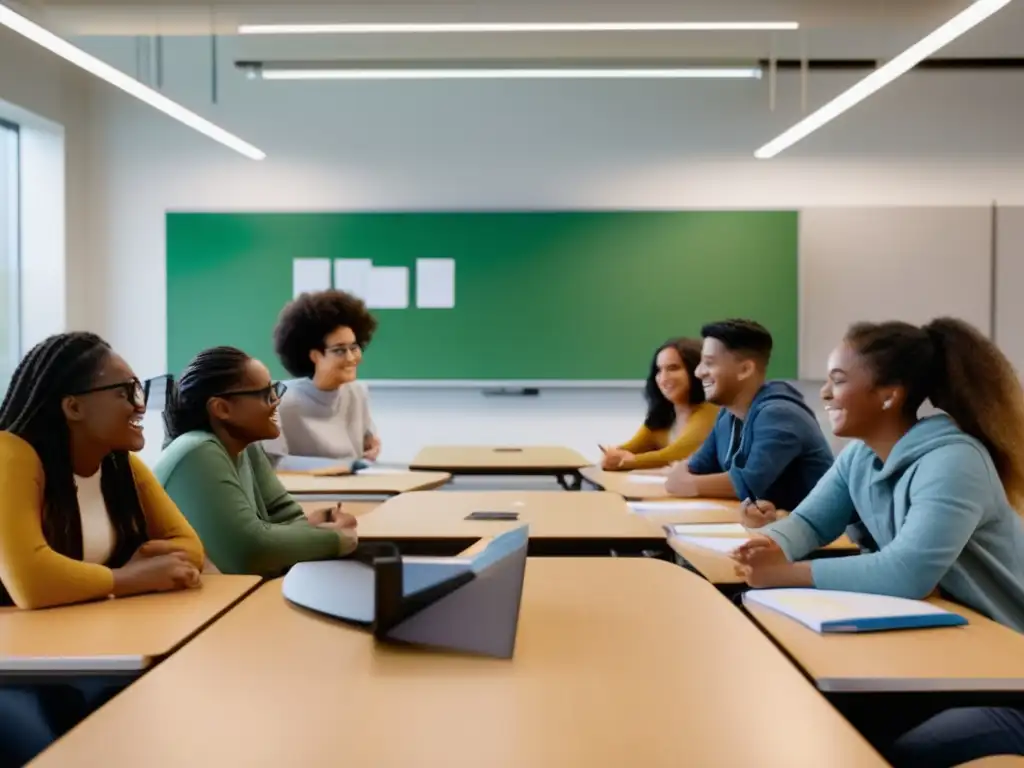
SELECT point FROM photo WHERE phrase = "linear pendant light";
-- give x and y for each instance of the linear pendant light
(500, 27)
(78, 57)
(881, 77)
(513, 73)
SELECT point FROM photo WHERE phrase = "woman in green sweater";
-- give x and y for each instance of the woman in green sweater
(215, 470)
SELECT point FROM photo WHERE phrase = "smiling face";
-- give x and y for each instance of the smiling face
(671, 376)
(248, 410)
(856, 406)
(722, 372)
(109, 415)
(339, 361)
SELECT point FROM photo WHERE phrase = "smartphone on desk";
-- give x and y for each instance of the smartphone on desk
(492, 516)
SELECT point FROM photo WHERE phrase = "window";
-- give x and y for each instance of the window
(10, 245)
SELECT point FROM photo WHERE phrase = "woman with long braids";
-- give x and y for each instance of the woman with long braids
(217, 472)
(81, 518)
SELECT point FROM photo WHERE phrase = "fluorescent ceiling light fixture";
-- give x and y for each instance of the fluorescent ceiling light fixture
(130, 85)
(500, 27)
(881, 77)
(525, 73)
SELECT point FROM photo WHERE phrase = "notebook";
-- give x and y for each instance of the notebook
(670, 507)
(833, 611)
(717, 543)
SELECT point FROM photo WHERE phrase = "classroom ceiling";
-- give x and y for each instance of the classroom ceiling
(831, 29)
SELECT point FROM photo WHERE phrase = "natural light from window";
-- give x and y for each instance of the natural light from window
(9, 254)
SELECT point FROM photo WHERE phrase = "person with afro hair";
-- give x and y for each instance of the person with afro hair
(324, 415)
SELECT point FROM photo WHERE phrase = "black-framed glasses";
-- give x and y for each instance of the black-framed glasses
(344, 350)
(133, 390)
(269, 395)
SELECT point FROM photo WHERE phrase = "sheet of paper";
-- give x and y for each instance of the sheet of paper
(670, 507)
(711, 529)
(647, 479)
(310, 275)
(435, 283)
(382, 471)
(388, 288)
(723, 545)
(353, 276)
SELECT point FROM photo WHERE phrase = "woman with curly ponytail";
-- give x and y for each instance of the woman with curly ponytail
(934, 499)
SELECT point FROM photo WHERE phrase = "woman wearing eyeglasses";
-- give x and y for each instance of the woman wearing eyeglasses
(81, 518)
(325, 416)
(215, 469)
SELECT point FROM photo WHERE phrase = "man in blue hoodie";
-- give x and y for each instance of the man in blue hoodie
(766, 443)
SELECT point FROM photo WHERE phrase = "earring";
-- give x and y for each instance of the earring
(887, 405)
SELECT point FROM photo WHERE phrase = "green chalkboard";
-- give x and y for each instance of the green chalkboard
(538, 296)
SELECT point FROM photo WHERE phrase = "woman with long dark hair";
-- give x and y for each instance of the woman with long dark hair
(81, 517)
(678, 419)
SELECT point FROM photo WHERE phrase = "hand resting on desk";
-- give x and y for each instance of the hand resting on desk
(157, 566)
(761, 563)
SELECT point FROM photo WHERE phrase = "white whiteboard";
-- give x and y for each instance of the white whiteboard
(878, 264)
(1009, 333)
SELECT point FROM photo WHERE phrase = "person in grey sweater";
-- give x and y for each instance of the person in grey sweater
(325, 414)
(934, 501)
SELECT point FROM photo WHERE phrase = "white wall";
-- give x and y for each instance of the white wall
(50, 103)
(931, 139)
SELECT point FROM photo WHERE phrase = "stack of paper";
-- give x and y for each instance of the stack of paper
(708, 529)
(371, 470)
(716, 543)
(833, 611)
(636, 477)
(671, 507)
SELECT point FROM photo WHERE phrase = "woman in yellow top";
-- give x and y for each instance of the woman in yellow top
(678, 419)
(80, 517)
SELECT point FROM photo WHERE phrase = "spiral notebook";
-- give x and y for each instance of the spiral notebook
(829, 611)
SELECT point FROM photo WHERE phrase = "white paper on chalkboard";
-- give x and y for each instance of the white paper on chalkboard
(388, 288)
(310, 275)
(353, 276)
(435, 283)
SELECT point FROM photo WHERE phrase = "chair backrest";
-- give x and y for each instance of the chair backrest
(155, 391)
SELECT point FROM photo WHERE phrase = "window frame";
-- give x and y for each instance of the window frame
(14, 244)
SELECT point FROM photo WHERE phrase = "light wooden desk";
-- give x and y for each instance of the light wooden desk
(110, 637)
(618, 662)
(620, 483)
(563, 464)
(719, 568)
(560, 523)
(364, 485)
(982, 656)
(357, 508)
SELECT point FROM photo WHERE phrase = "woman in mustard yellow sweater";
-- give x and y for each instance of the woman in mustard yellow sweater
(678, 418)
(80, 517)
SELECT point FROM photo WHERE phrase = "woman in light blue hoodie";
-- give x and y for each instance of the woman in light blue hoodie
(930, 500)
